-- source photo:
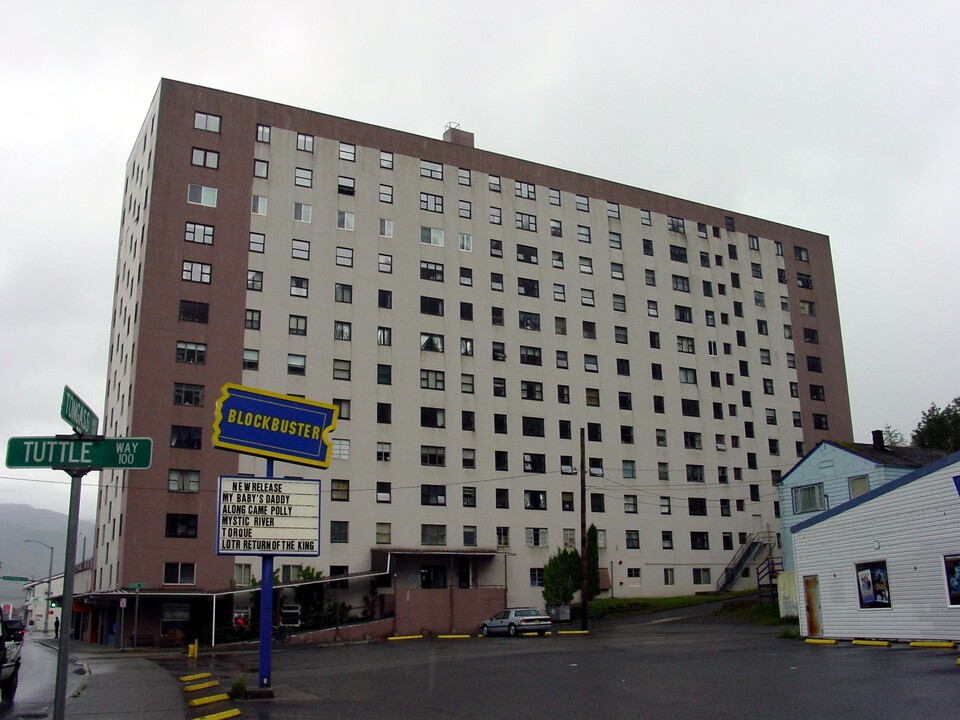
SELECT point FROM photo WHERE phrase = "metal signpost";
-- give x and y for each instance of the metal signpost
(76, 455)
(267, 516)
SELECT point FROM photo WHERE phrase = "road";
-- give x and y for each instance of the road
(665, 668)
(38, 678)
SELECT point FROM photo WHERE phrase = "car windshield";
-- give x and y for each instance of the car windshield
(529, 612)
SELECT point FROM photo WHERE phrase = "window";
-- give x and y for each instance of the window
(652, 309)
(177, 573)
(257, 242)
(586, 297)
(299, 250)
(431, 236)
(202, 195)
(384, 532)
(675, 224)
(808, 498)
(302, 212)
(384, 263)
(592, 397)
(629, 469)
(386, 193)
(801, 253)
(384, 413)
(701, 576)
(206, 158)
(386, 160)
(305, 142)
(299, 286)
(559, 292)
(191, 352)
(466, 242)
(817, 392)
(386, 228)
(342, 293)
(206, 121)
(187, 481)
(686, 344)
(263, 133)
(433, 455)
(582, 203)
(688, 376)
(345, 220)
(340, 490)
(536, 537)
(251, 359)
(341, 369)
(303, 177)
(535, 499)
(619, 303)
(668, 576)
(384, 374)
(431, 203)
(590, 363)
(683, 313)
(858, 486)
(251, 320)
(665, 505)
(342, 330)
(187, 394)
(625, 400)
(433, 494)
(296, 364)
(339, 531)
(431, 170)
(526, 221)
(586, 265)
(344, 257)
(343, 406)
(466, 347)
(385, 299)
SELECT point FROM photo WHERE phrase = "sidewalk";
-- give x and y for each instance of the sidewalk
(119, 685)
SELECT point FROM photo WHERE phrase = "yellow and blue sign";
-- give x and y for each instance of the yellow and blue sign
(271, 425)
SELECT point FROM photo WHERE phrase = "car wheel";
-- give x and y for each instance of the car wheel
(9, 688)
(484, 630)
(512, 630)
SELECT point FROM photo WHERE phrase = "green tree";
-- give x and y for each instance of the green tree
(893, 437)
(310, 597)
(561, 577)
(593, 563)
(939, 429)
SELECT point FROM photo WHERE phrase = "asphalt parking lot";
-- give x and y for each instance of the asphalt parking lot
(641, 668)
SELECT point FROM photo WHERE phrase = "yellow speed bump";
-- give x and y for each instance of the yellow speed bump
(209, 700)
(201, 686)
(405, 637)
(933, 644)
(195, 676)
(232, 712)
(871, 643)
(821, 641)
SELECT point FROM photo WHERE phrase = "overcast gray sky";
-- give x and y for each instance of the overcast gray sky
(837, 117)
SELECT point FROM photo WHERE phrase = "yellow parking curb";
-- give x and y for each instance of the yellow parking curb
(209, 700)
(201, 686)
(452, 637)
(232, 712)
(405, 637)
(573, 632)
(820, 641)
(196, 676)
(871, 643)
(933, 644)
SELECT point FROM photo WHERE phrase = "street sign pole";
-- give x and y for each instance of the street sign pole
(66, 607)
(266, 610)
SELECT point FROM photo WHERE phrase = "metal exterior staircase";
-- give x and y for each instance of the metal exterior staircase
(742, 557)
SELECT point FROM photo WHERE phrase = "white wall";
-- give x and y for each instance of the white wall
(909, 525)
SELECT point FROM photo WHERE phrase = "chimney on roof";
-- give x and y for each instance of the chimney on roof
(453, 134)
(878, 440)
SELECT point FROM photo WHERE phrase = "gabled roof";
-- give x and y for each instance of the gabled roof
(882, 490)
(892, 456)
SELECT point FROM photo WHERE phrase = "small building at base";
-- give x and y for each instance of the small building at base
(885, 565)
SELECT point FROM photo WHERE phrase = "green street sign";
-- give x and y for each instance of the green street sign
(76, 412)
(14, 578)
(136, 586)
(72, 453)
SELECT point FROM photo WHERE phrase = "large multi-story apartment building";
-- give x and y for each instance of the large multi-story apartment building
(470, 314)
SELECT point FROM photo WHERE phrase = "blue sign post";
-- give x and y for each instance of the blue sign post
(277, 427)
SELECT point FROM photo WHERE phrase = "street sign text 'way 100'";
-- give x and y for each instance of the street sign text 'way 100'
(85, 454)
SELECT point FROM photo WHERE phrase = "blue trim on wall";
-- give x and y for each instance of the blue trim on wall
(882, 490)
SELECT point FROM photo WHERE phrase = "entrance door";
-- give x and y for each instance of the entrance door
(811, 597)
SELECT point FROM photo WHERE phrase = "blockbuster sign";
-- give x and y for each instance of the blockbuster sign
(268, 516)
(271, 425)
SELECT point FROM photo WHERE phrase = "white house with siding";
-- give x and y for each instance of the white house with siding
(887, 563)
(831, 474)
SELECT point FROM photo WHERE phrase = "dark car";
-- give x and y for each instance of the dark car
(517, 621)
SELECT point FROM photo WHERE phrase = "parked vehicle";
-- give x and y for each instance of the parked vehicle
(11, 642)
(517, 621)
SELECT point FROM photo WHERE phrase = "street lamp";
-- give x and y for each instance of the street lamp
(46, 613)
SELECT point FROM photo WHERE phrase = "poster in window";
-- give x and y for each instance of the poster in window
(872, 584)
(951, 565)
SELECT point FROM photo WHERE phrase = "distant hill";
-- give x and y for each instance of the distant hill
(23, 559)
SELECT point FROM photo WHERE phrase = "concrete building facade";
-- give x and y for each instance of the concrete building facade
(469, 313)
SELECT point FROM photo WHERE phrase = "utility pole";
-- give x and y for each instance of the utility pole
(583, 531)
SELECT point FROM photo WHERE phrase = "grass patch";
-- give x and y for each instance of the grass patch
(625, 607)
(755, 613)
(238, 690)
